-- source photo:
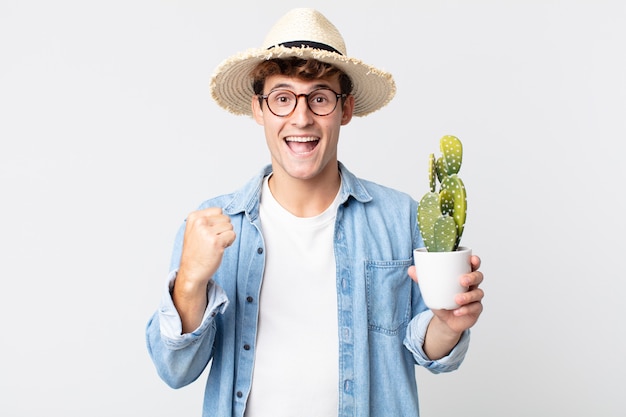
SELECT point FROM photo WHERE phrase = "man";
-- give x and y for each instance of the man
(297, 288)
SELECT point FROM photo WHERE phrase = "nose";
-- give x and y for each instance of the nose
(302, 114)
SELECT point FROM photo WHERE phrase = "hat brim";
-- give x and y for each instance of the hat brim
(231, 83)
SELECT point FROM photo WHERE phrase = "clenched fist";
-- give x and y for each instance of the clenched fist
(208, 233)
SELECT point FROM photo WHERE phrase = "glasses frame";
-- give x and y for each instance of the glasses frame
(338, 96)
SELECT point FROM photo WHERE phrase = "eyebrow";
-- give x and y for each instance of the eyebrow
(290, 86)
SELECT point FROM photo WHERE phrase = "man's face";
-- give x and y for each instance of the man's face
(302, 145)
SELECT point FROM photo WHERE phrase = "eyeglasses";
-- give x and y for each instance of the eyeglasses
(321, 101)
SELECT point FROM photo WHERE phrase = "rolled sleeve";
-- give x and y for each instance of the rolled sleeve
(169, 320)
(414, 341)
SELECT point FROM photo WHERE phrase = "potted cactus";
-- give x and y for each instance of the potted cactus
(441, 217)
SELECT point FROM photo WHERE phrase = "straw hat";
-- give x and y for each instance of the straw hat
(304, 33)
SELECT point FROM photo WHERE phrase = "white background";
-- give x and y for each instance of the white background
(108, 138)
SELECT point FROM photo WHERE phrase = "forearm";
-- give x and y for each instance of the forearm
(439, 339)
(190, 299)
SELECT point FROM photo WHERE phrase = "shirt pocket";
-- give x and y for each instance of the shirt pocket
(388, 295)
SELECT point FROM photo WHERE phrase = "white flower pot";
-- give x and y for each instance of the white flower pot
(438, 276)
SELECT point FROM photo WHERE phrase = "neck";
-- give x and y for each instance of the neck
(305, 197)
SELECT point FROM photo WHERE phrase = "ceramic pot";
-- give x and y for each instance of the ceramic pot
(438, 275)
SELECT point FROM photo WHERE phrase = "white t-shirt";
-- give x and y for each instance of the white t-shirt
(296, 357)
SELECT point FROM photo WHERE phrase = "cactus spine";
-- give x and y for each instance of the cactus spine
(441, 215)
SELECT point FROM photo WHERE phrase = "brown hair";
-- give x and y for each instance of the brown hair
(306, 69)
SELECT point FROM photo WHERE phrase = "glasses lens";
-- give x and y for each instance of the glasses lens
(322, 101)
(283, 102)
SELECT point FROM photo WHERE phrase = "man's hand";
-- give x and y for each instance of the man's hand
(446, 327)
(208, 233)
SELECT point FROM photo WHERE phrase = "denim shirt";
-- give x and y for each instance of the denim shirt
(382, 318)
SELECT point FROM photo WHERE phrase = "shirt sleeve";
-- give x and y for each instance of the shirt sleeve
(169, 320)
(414, 342)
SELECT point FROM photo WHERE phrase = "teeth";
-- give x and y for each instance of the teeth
(301, 139)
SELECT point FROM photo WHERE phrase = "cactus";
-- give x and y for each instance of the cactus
(441, 215)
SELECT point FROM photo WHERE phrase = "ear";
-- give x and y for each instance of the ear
(257, 111)
(348, 110)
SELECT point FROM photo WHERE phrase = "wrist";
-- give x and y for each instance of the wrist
(440, 339)
(188, 282)
(444, 332)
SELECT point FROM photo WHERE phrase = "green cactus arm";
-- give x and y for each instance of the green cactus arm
(440, 169)
(446, 197)
(452, 151)
(454, 191)
(428, 211)
(445, 233)
(432, 175)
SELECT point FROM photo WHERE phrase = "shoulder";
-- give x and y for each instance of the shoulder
(370, 192)
(382, 191)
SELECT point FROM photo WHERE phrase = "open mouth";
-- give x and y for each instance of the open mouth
(302, 145)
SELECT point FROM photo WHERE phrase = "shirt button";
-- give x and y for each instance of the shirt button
(249, 299)
(259, 251)
(239, 394)
(347, 385)
(346, 334)
(246, 347)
